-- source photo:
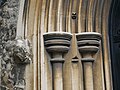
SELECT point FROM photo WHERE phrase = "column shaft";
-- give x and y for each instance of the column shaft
(88, 75)
(57, 76)
(75, 76)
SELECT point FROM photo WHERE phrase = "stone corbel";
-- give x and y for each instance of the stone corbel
(57, 44)
(17, 54)
(20, 50)
(88, 46)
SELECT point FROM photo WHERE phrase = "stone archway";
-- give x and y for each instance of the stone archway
(38, 17)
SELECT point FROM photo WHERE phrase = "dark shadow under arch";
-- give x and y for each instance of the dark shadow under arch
(114, 38)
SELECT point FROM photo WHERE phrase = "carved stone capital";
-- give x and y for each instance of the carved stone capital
(57, 43)
(88, 43)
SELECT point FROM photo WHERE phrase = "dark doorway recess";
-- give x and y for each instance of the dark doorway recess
(114, 37)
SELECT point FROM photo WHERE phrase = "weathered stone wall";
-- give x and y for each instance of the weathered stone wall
(9, 74)
(8, 19)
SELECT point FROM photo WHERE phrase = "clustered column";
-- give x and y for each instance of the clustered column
(57, 44)
(88, 45)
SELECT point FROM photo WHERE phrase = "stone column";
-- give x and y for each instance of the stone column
(57, 44)
(75, 73)
(88, 45)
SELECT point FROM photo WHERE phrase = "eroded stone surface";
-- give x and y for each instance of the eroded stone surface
(8, 19)
(11, 73)
(14, 58)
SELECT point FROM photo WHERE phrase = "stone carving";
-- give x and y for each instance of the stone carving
(88, 45)
(16, 54)
(9, 70)
(20, 50)
(57, 44)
